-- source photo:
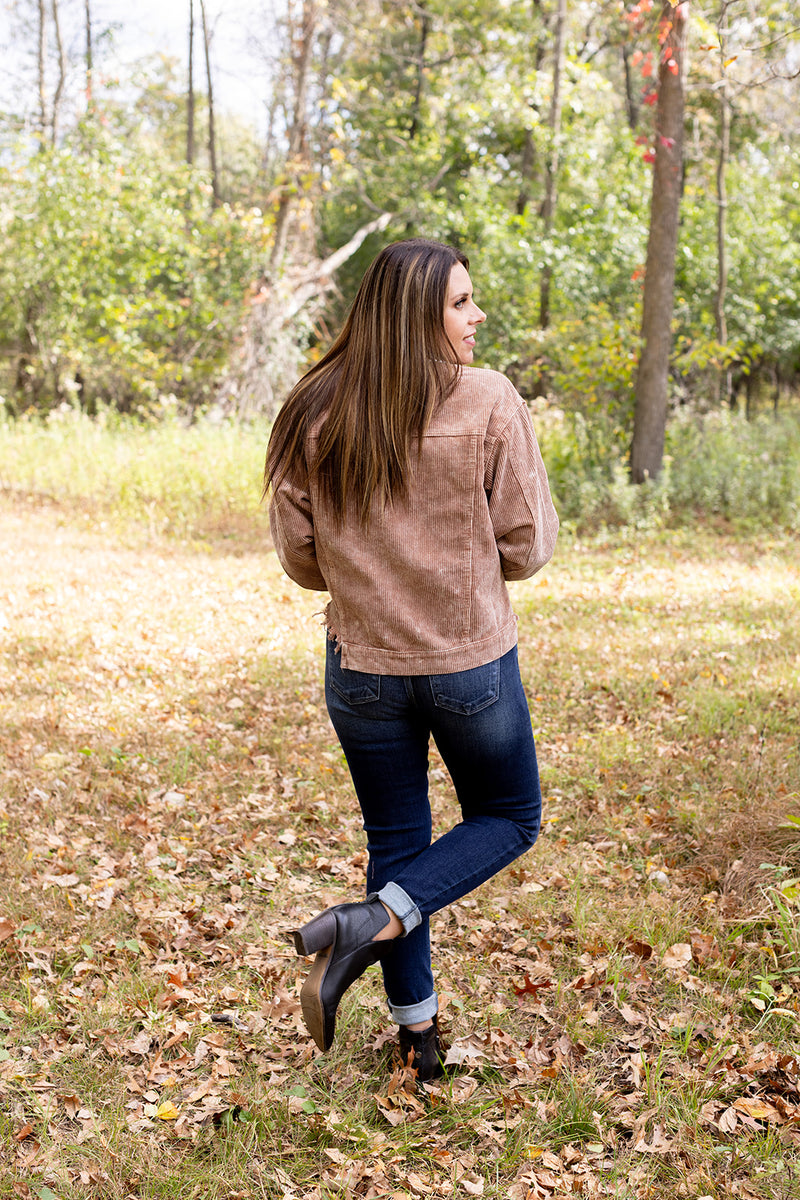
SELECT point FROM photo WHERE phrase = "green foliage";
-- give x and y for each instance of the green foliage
(588, 473)
(119, 284)
(442, 119)
(590, 363)
(117, 281)
(763, 293)
(458, 153)
(745, 471)
(716, 465)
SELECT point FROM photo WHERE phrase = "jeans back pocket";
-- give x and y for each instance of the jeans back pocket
(354, 687)
(467, 692)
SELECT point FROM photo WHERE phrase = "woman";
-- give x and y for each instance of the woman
(409, 485)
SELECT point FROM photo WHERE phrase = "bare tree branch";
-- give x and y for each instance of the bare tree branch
(775, 42)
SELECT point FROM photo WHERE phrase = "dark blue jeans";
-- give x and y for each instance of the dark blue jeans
(480, 722)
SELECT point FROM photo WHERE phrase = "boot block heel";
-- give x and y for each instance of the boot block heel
(317, 934)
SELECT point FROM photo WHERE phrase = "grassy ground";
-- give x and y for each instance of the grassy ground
(622, 1004)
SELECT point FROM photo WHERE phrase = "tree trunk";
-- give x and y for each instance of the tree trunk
(298, 131)
(419, 84)
(89, 59)
(212, 140)
(526, 171)
(270, 354)
(416, 108)
(321, 129)
(190, 93)
(551, 167)
(41, 57)
(722, 238)
(631, 94)
(650, 410)
(723, 152)
(528, 164)
(62, 71)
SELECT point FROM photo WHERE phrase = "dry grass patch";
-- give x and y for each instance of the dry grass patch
(173, 801)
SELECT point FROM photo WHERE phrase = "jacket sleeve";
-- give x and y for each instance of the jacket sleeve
(291, 523)
(523, 517)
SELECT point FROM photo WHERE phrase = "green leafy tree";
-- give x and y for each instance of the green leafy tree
(447, 116)
(116, 280)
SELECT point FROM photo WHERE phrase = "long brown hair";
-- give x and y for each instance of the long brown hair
(378, 385)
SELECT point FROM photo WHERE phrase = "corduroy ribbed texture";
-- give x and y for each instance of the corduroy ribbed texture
(422, 589)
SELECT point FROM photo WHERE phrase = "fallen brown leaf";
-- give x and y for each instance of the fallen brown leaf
(759, 1109)
(677, 957)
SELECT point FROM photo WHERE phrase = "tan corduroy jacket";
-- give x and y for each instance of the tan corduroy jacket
(422, 589)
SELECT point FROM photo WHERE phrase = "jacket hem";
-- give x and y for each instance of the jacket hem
(459, 657)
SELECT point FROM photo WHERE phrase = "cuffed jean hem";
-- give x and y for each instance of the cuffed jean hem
(406, 912)
(410, 1014)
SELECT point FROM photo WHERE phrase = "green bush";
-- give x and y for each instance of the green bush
(590, 363)
(716, 465)
(745, 471)
(118, 282)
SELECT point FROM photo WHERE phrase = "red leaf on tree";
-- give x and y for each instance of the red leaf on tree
(642, 139)
(649, 156)
(673, 66)
(665, 141)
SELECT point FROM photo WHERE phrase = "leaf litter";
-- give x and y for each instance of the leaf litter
(174, 802)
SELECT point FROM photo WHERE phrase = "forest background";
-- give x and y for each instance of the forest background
(160, 257)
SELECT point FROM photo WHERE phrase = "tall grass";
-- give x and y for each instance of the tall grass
(187, 480)
(202, 480)
(716, 464)
(744, 470)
